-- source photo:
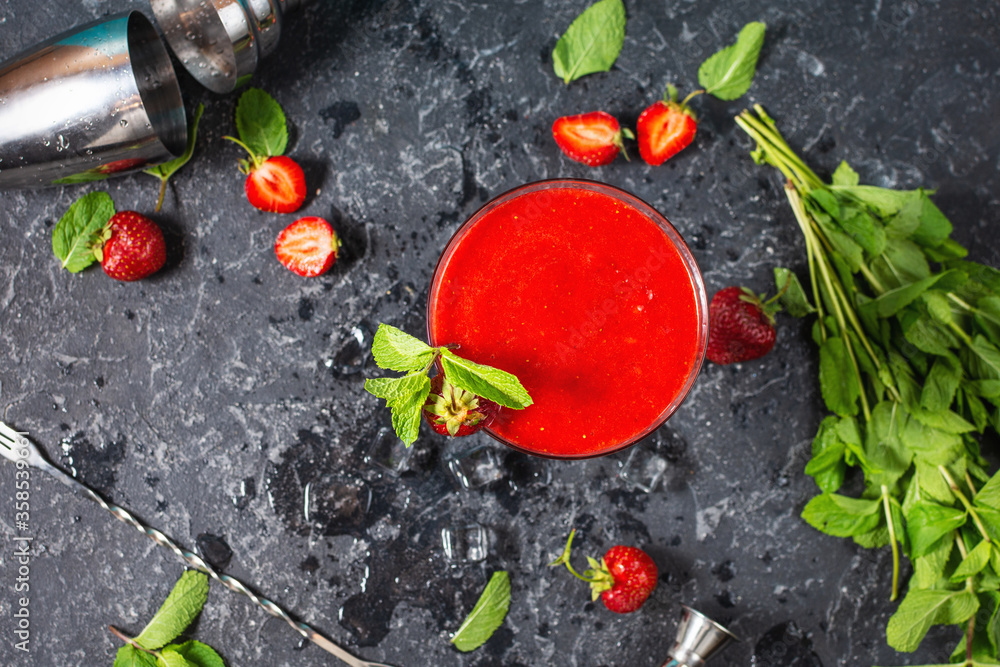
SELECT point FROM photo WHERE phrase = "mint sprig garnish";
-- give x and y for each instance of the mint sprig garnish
(486, 616)
(396, 350)
(78, 229)
(152, 647)
(592, 42)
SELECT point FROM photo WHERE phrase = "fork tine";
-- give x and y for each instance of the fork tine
(10, 442)
(16, 447)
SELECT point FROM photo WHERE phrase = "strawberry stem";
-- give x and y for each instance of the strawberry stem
(256, 159)
(693, 94)
(564, 560)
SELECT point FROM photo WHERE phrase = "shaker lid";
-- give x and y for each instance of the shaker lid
(219, 42)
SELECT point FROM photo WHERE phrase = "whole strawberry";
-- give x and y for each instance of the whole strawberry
(456, 412)
(130, 247)
(740, 326)
(624, 579)
(594, 138)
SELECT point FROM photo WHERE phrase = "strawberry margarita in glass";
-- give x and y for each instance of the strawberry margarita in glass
(590, 297)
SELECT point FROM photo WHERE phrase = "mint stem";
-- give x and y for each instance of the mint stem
(163, 192)
(129, 640)
(892, 542)
(965, 502)
(836, 296)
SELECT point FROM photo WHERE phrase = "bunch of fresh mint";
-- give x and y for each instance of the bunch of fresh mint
(152, 647)
(909, 364)
(395, 350)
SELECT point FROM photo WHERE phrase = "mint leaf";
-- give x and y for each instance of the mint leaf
(838, 383)
(397, 391)
(927, 522)
(842, 516)
(973, 563)
(793, 297)
(922, 608)
(398, 351)
(728, 73)
(198, 654)
(261, 123)
(883, 201)
(490, 383)
(989, 495)
(406, 397)
(844, 175)
(170, 658)
(827, 465)
(78, 229)
(180, 608)
(933, 227)
(130, 656)
(486, 616)
(895, 300)
(592, 42)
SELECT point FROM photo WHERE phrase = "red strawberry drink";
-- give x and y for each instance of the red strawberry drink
(586, 294)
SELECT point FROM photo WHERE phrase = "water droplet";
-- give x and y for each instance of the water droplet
(123, 122)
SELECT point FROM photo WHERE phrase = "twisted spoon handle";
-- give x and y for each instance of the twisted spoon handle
(37, 460)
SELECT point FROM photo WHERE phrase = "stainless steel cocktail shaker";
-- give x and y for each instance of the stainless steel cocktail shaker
(95, 101)
(103, 99)
(220, 42)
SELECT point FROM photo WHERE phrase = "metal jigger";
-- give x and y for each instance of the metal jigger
(220, 42)
(698, 639)
(98, 100)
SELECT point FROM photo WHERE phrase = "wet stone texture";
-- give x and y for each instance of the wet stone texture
(222, 400)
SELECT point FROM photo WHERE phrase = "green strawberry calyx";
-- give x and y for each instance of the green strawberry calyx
(454, 407)
(768, 307)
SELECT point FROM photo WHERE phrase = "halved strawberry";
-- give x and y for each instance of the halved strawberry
(276, 184)
(307, 247)
(130, 247)
(664, 129)
(593, 138)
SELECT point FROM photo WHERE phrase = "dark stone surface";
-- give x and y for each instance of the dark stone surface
(223, 397)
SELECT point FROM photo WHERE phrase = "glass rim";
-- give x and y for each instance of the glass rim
(687, 258)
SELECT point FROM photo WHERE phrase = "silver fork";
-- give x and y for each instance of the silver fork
(15, 447)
